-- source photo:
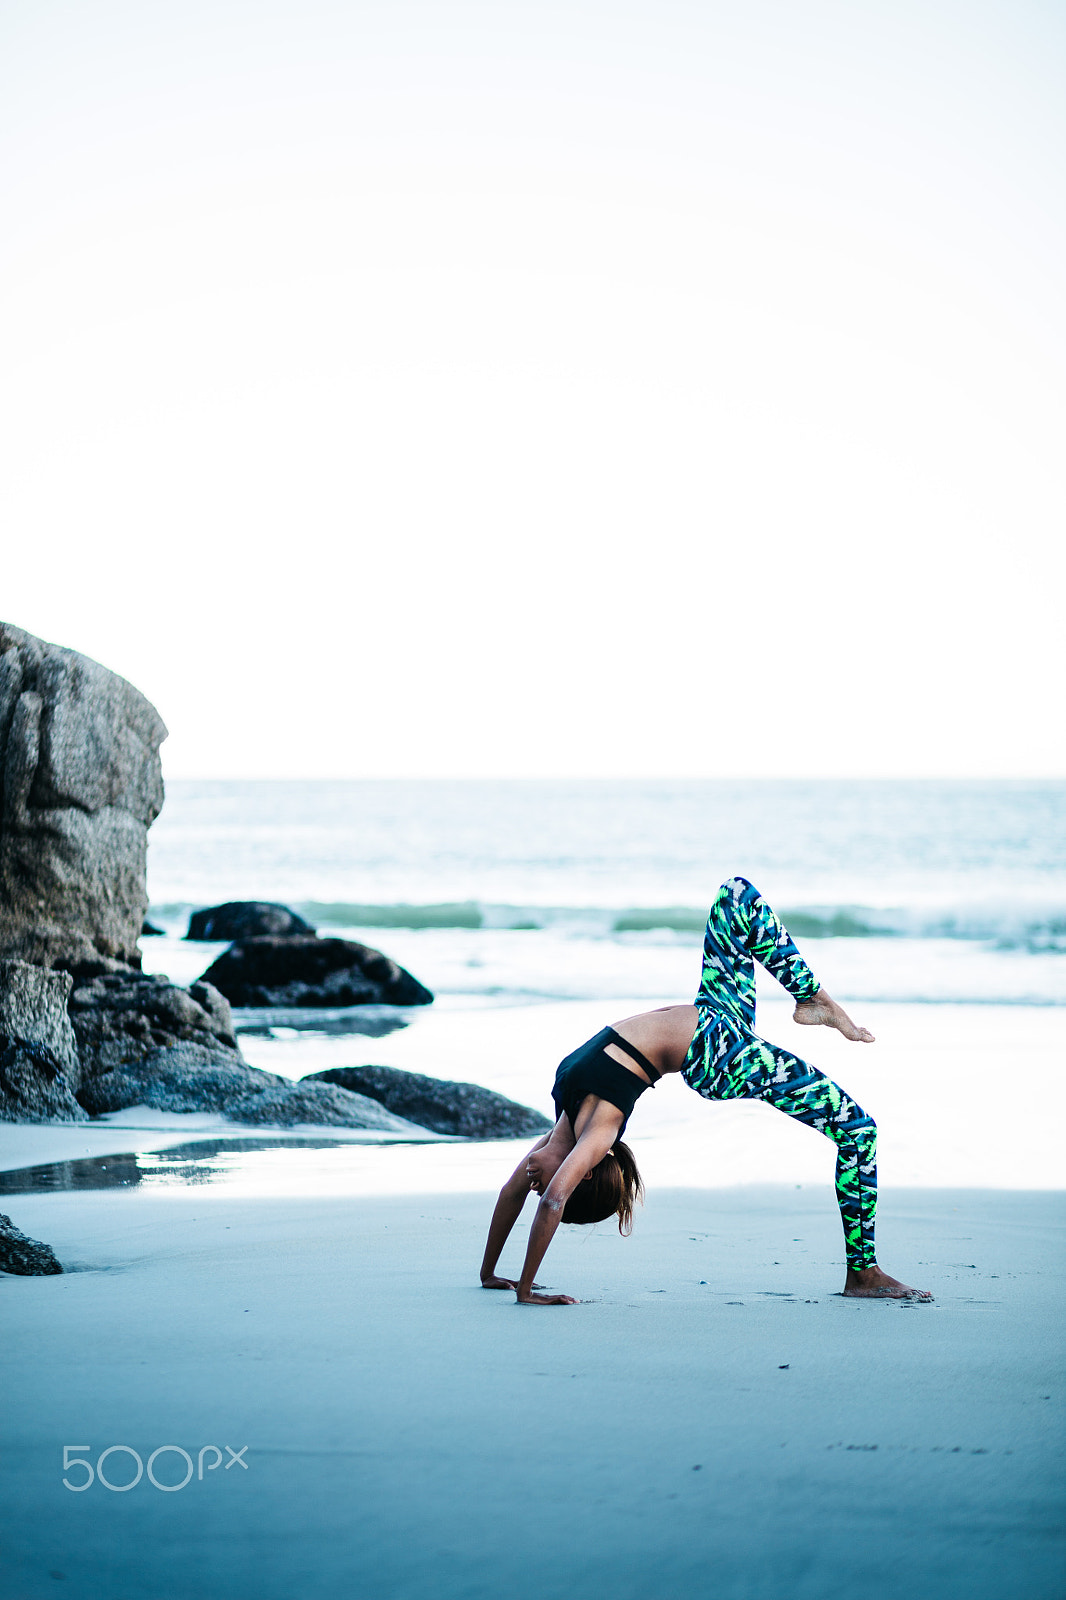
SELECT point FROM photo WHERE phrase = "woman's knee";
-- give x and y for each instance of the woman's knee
(732, 896)
(866, 1139)
(736, 886)
(857, 1141)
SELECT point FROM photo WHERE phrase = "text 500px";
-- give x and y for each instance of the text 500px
(133, 1469)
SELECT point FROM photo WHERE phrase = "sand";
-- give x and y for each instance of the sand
(713, 1419)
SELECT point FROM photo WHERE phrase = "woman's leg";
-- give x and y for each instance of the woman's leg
(733, 1064)
(742, 929)
(726, 1060)
(801, 1091)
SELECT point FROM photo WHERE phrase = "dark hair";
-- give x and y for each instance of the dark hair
(611, 1189)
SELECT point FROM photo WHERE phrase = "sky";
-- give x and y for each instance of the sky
(525, 388)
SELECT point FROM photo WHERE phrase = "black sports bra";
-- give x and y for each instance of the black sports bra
(634, 1054)
(590, 1070)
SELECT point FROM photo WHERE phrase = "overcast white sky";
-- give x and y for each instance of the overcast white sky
(668, 387)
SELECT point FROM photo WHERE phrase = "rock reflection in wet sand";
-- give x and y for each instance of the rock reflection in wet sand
(197, 1162)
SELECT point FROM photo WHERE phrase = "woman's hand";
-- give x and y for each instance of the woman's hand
(546, 1299)
(540, 1170)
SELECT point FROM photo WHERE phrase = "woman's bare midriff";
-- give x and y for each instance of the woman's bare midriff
(663, 1036)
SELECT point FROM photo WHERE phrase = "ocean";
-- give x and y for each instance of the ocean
(514, 891)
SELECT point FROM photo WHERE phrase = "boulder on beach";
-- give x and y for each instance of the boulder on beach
(120, 1018)
(79, 752)
(247, 919)
(33, 1006)
(27, 1257)
(130, 1039)
(150, 931)
(182, 1076)
(465, 1109)
(81, 784)
(309, 971)
(188, 1077)
(326, 1105)
(33, 1085)
(38, 1056)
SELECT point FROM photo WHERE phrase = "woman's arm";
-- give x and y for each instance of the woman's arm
(508, 1210)
(593, 1144)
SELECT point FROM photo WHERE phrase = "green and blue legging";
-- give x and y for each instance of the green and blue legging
(727, 1060)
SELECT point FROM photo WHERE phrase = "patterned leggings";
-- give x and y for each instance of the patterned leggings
(726, 1060)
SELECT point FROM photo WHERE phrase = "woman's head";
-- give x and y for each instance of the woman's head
(611, 1189)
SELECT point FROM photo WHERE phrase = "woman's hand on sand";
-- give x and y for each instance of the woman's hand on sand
(546, 1299)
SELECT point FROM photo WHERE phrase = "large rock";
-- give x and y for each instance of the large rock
(324, 1104)
(79, 758)
(33, 1006)
(247, 919)
(38, 1055)
(120, 1018)
(144, 1041)
(179, 1077)
(465, 1109)
(188, 1077)
(33, 1085)
(312, 972)
(28, 1257)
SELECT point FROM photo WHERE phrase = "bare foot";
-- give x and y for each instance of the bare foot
(494, 1282)
(823, 1012)
(873, 1284)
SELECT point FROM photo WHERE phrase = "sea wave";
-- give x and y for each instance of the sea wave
(1038, 928)
(512, 966)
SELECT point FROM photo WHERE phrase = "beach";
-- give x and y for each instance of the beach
(293, 1320)
(712, 1407)
(713, 1418)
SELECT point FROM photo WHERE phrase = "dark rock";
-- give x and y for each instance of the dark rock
(33, 1006)
(33, 1085)
(38, 1056)
(150, 931)
(465, 1109)
(312, 972)
(187, 1077)
(144, 1041)
(79, 755)
(180, 1077)
(119, 1018)
(28, 1257)
(324, 1104)
(247, 919)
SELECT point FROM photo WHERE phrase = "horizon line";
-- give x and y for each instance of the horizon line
(621, 777)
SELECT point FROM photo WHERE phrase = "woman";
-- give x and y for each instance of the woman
(582, 1171)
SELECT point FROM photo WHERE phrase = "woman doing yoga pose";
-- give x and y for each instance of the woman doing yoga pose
(584, 1173)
